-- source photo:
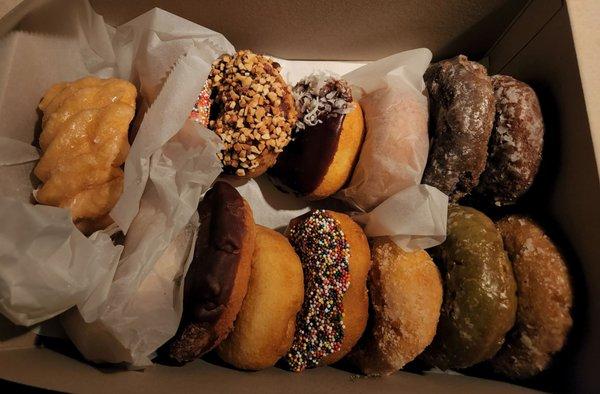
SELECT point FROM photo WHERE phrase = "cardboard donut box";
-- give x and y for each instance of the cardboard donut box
(553, 45)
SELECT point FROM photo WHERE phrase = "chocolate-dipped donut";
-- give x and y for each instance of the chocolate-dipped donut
(335, 260)
(217, 279)
(251, 109)
(461, 110)
(515, 148)
(327, 139)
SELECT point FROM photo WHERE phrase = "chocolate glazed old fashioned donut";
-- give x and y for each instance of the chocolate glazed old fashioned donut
(515, 148)
(461, 108)
(217, 280)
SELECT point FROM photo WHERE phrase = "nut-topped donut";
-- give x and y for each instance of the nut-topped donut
(515, 149)
(327, 139)
(252, 110)
(461, 108)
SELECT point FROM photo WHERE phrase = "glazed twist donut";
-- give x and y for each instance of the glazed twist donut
(84, 142)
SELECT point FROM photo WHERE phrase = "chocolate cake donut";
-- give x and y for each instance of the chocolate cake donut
(335, 259)
(515, 149)
(251, 109)
(461, 110)
(545, 300)
(217, 279)
(327, 139)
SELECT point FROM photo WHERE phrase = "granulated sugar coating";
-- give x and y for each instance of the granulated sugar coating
(325, 254)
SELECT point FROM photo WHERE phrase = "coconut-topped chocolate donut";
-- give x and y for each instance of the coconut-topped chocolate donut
(326, 141)
(335, 258)
(515, 149)
(461, 108)
(252, 110)
(217, 279)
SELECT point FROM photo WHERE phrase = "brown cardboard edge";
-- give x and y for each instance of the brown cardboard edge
(584, 16)
(8, 5)
(50, 367)
(11, 12)
(530, 21)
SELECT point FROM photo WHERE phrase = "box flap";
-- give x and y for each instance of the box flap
(584, 16)
(522, 30)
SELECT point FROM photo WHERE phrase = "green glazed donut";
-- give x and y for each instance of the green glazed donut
(480, 303)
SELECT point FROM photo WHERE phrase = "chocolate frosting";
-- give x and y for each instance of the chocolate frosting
(211, 275)
(210, 278)
(303, 164)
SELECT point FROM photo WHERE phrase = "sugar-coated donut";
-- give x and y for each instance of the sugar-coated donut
(545, 299)
(252, 110)
(515, 149)
(405, 291)
(264, 329)
(480, 301)
(336, 259)
(461, 110)
(217, 279)
(327, 139)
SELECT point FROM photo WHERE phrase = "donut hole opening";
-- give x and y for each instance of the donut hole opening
(217, 107)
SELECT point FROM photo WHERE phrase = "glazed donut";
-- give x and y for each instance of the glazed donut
(217, 279)
(461, 110)
(405, 291)
(252, 110)
(265, 327)
(515, 149)
(480, 303)
(545, 300)
(327, 139)
(335, 259)
(84, 143)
